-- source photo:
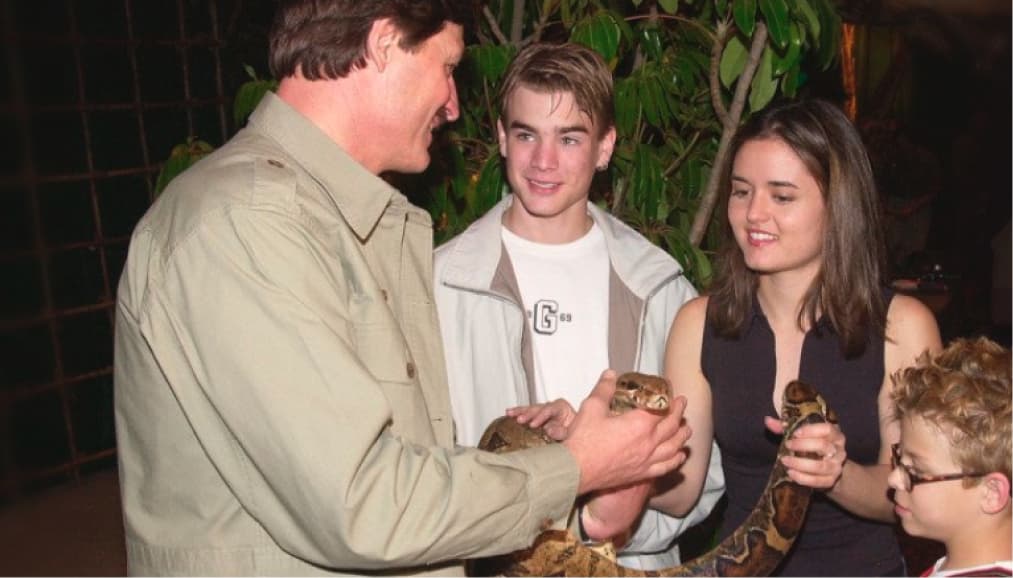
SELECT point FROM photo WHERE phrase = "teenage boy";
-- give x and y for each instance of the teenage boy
(546, 290)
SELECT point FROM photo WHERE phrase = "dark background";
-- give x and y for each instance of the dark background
(95, 94)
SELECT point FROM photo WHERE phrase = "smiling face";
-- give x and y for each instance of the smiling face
(940, 510)
(422, 96)
(776, 210)
(551, 150)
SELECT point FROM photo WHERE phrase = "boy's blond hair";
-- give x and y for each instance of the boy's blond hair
(568, 67)
(965, 392)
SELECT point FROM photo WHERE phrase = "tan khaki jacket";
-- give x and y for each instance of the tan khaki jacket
(281, 398)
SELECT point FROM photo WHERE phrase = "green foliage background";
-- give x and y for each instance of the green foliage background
(686, 72)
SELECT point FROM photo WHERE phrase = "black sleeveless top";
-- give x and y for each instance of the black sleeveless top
(741, 373)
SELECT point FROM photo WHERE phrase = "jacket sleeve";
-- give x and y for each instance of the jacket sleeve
(256, 340)
(657, 531)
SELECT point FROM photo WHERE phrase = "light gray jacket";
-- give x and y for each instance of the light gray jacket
(488, 351)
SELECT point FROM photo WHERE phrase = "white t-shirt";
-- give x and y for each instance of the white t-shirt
(997, 568)
(564, 289)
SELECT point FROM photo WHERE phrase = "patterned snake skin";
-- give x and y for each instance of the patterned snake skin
(754, 549)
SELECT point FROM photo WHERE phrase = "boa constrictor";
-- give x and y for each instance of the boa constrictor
(754, 549)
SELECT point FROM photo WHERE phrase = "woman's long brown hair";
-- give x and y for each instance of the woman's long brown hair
(847, 291)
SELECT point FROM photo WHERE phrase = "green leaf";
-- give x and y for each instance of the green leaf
(794, 50)
(733, 61)
(489, 189)
(775, 12)
(650, 103)
(600, 32)
(566, 14)
(491, 60)
(647, 182)
(830, 34)
(650, 41)
(790, 81)
(764, 84)
(669, 6)
(182, 157)
(248, 97)
(744, 12)
(692, 184)
(627, 106)
(703, 272)
(721, 6)
(812, 21)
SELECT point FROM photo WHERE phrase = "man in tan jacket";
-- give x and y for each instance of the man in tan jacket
(281, 397)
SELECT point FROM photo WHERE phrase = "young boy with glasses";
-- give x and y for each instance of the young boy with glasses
(951, 471)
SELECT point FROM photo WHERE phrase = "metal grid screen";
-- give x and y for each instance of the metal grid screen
(94, 96)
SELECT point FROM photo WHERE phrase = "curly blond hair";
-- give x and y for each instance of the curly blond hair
(965, 392)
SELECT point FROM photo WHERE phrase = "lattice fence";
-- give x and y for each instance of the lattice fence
(93, 96)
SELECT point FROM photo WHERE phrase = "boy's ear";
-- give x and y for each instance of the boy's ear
(380, 42)
(996, 496)
(606, 145)
(501, 137)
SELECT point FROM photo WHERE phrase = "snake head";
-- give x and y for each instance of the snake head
(803, 404)
(641, 391)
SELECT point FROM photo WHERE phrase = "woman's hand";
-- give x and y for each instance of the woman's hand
(554, 417)
(819, 439)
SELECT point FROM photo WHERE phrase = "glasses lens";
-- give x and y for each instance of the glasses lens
(905, 476)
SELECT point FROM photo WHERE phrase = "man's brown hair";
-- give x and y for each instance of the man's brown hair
(326, 39)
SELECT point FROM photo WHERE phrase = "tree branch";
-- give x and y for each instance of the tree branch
(517, 23)
(709, 198)
(494, 26)
(720, 39)
(682, 158)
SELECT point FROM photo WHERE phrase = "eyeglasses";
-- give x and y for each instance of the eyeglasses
(912, 479)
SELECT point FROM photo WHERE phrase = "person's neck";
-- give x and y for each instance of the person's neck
(780, 296)
(980, 545)
(318, 100)
(552, 231)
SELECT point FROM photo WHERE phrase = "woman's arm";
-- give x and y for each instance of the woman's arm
(677, 493)
(862, 489)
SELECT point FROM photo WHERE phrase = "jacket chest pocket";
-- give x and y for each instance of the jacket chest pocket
(383, 351)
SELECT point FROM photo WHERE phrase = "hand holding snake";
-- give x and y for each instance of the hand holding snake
(754, 549)
(825, 442)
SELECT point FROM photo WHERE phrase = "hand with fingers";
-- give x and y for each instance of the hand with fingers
(616, 451)
(554, 417)
(819, 450)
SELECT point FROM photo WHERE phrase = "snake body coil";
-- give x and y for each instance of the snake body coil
(754, 549)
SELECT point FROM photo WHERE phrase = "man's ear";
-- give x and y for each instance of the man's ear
(380, 43)
(995, 493)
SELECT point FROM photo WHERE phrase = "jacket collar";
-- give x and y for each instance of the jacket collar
(641, 265)
(476, 253)
(359, 195)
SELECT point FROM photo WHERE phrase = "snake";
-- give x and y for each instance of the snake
(755, 548)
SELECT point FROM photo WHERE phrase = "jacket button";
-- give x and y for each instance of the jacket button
(276, 163)
(384, 293)
(411, 370)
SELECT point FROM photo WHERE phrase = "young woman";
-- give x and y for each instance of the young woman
(800, 295)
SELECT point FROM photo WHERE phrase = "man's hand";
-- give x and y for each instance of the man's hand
(617, 451)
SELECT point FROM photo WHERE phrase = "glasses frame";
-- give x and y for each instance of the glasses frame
(914, 479)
